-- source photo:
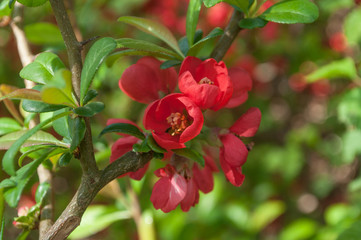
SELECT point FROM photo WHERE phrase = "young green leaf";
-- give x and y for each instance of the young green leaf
(64, 160)
(22, 177)
(43, 69)
(40, 107)
(8, 125)
(170, 63)
(23, 93)
(123, 128)
(145, 46)
(28, 150)
(78, 132)
(154, 145)
(90, 109)
(198, 45)
(141, 147)
(96, 55)
(344, 68)
(91, 94)
(194, 7)
(291, 11)
(242, 5)
(154, 28)
(41, 192)
(190, 154)
(251, 23)
(8, 159)
(352, 27)
(61, 125)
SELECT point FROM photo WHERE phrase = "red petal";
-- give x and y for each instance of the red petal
(176, 193)
(139, 82)
(233, 174)
(248, 124)
(211, 70)
(122, 146)
(242, 83)
(139, 174)
(190, 64)
(160, 193)
(233, 151)
(203, 178)
(191, 197)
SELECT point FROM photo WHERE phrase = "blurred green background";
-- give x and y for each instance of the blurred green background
(302, 175)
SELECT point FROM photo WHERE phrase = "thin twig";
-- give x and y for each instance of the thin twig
(226, 40)
(27, 57)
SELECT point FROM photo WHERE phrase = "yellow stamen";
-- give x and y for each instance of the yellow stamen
(205, 80)
(178, 123)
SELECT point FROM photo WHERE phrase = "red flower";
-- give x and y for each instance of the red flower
(205, 82)
(169, 190)
(124, 145)
(234, 153)
(173, 120)
(242, 83)
(203, 177)
(144, 80)
(192, 196)
(218, 15)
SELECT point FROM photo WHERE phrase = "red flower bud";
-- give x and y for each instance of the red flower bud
(242, 83)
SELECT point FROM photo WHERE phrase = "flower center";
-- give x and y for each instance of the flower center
(205, 80)
(178, 123)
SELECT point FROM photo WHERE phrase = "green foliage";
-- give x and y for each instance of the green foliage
(32, 3)
(123, 128)
(251, 23)
(190, 154)
(40, 107)
(24, 93)
(170, 63)
(43, 33)
(299, 230)
(194, 8)
(344, 68)
(153, 28)
(348, 109)
(352, 233)
(43, 69)
(90, 109)
(8, 159)
(65, 159)
(154, 145)
(8, 125)
(96, 55)
(352, 28)
(265, 214)
(41, 192)
(291, 11)
(240, 4)
(78, 131)
(4, 8)
(197, 46)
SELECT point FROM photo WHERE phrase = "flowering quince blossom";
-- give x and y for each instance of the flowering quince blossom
(205, 82)
(233, 153)
(173, 120)
(124, 145)
(242, 83)
(24, 205)
(145, 82)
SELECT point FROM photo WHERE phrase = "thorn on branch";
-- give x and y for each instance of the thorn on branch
(85, 42)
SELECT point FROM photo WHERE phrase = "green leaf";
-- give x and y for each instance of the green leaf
(144, 46)
(78, 132)
(141, 147)
(348, 110)
(7, 183)
(339, 212)
(190, 154)
(351, 145)
(124, 128)
(251, 23)
(40, 107)
(91, 94)
(194, 7)
(59, 91)
(43, 33)
(23, 235)
(154, 28)
(61, 125)
(352, 233)
(8, 125)
(241, 4)
(32, 3)
(344, 68)
(133, 52)
(291, 11)
(183, 45)
(198, 46)
(299, 230)
(96, 55)
(41, 192)
(29, 150)
(23, 93)
(64, 159)
(352, 26)
(103, 215)
(170, 63)
(4, 9)
(8, 159)
(12, 195)
(266, 213)
(154, 145)
(90, 109)
(37, 138)
(43, 69)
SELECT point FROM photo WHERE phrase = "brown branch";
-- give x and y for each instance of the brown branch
(71, 216)
(27, 57)
(230, 33)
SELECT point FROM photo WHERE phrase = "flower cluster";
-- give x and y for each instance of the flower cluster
(176, 119)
